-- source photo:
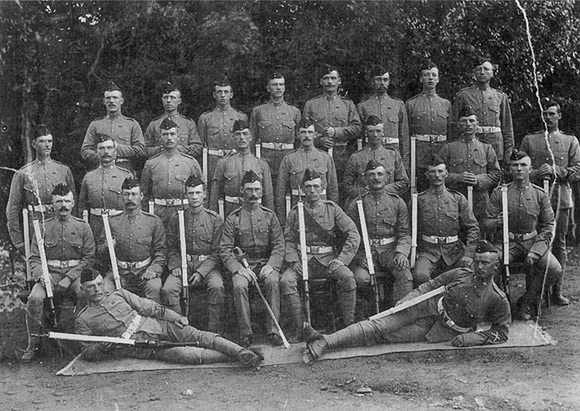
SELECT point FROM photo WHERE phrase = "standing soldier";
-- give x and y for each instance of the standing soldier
(32, 186)
(257, 232)
(442, 216)
(492, 108)
(471, 163)
(69, 247)
(216, 126)
(231, 169)
(324, 221)
(124, 130)
(337, 118)
(390, 110)
(139, 242)
(296, 163)
(203, 229)
(164, 175)
(188, 141)
(566, 152)
(531, 223)
(274, 124)
(354, 176)
(101, 188)
(428, 121)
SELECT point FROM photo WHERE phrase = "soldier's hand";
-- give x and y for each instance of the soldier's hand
(297, 267)
(195, 279)
(401, 262)
(181, 321)
(149, 275)
(265, 271)
(465, 262)
(335, 264)
(469, 178)
(546, 170)
(532, 258)
(330, 131)
(326, 142)
(176, 272)
(247, 274)
(64, 284)
(457, 341)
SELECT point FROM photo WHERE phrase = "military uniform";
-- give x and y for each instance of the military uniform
(441, 219)
(354, 175)
(428, 123)
(215, 129)
(387, 223)
(323, 223)
(125, 131)
(258, 233)
(273, 125)
(493, 114)
(100, 191)
(139, 247)
(188, 141)
(32, 186)
(393, 114)
(475, 157)
(531, 223)
(202, 235)
(292, 171)
(163, 181)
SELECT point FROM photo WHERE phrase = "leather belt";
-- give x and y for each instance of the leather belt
(523, 237)
(387, 140)
(41, 208)
(257, 255)
(132, 327)
(278, 146)
(121, 160)
(375, 242)
(433, 239)
(171, 202)
(129, 265)
(237, 200)
(340, 144)
(487, 129)
(300, 193)
(430, 138)
(63, 263)
(101, 211)
(318, 249)
(196, 257)
(448, 321)
(220, 153)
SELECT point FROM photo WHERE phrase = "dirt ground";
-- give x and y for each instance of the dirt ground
(542, 378)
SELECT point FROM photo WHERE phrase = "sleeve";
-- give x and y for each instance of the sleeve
(401, 180)
(88, 252)
(278, 245)
(150, 141)
(567, 173)
(89, 147)
(507, 128)
(194, 144)
(292, 237)
(84, 197)
(14, 208)
(490, 221)
(35, 263)
(498, 314)
(353, 130)
(268, 200)
(281, 190)
(202, 128)
(216, 184)
(213, 260)
(159, 247)
(404, 142)
(332, 180)
(469, 224)
(70, 181)
(137, 147)
(254, 124)
(491, 177)
(350, 178)
(173, 246)
(403, 229)
(227, 244)
(147, 307)
(146, 183)
(348, 228)
(458, 104)
(453, 180)
(546, 225)
(442, 279)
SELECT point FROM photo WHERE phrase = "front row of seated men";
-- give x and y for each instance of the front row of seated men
(139, 242)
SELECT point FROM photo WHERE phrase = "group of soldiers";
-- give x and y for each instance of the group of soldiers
(286, 196)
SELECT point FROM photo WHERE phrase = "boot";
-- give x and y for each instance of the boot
(353, 335)
(245, 356)
(557, 297)
(191, 355)
(214, 323)
(347, 303)
(294, 305)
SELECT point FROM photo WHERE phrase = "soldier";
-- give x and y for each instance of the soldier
(293, 166)
(428, 121)
(337, 118)
(257, 232)
(471, 298)
(164, 175)
(531, 223)
(492, 108)
(390, 110)
(324, 221)
(387, 222)
(203, 229)
(566, 154)
(188, 141)
(231, 169)
(125, 131)
(354, 176)
(122, 314)
(216, 126)
(442, 216)
(471, 163)
(274, 124)
(101, 188)
(69, 246)
(33, 184)
(139, 241)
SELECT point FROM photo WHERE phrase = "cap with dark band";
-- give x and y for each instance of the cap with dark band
(129, 183)
(222, 82)
(250, 177)
(111, 86)
(61, 189)
(373, 165)
(102, 137)
(484, 246)
(518, 155)
(305, 123)
(378, 70)
(89, 274)
(310, 175)
(436, 161)
(240, 125)
(168, 87)
(167, 124)
(40, 131)
(467, 111)
(194, 181)
(373, 120)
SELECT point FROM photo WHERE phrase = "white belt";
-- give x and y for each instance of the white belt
(431, 138)
(237, 200)
(132, 327)
(133, 265)
(447, 320)
(101, 211)
(433, 239)
(42, 208)
(523, 237)
(278, 146)
(315, 249)
(171, 202)
(382, 241)
(196, 257)
(220, 153)
(487, 129)
(63, 263)
(300, 193)
(387, 140)
(122, 159)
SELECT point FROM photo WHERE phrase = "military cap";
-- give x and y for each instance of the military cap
(427, 65)
(102, 137)
(61, 189)
(479, 60)
(372, 165)
(129, 183)
(373, 120)
(275, 73)
(111, 86)
(484, 246)
(222, 82)
(310, 175)
(194, 181)
(240, 125)
(436, 161)
(467, 111)
(324, 69)
(305, 123)
(518, 155)
(378, 70)
(168, 87)
(89, 274)
(40, 131)
(250, 177)
(167, 124)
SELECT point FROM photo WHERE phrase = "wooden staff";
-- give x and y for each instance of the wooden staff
(368, 252)
(45, 272)
(152, 206)
(26, 232)
(111, 247)
(184, 300)
(288, 204)
(204, 161)
(470, 197)
(410, 303)
(304, 258)
(414, 199)
(506, 240)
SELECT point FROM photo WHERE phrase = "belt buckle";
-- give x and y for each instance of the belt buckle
(170, 202)
(433, 139)
(519, 237)
(441, 240)
(227, 152)
(131, 265)
(64, 263)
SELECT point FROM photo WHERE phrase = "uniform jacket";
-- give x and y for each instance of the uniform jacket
(101, 188)
(274, 123)
(188, 141)
(215, 127)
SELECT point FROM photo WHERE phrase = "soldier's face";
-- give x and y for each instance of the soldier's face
(252, 192)
(196, 196)
(94, 291)
(306, 136)
(520, 169)
(223, 95)
(375, 134)
(377, 178)
(43, 145)
(429, 78)
(243, 138)
(552, 116)
(485, 265)
(437, 175)
(63, 205)
(106, 151)
(171, 100)
(381, 83)
(169, 138)
(276, 87)
(330, 81)
(113, 101)
(468, 125)
(484, 72)
(132, 198)
(312, 190)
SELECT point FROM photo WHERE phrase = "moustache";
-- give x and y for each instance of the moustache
(64, 208)
(253, 197)
(130, 203)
